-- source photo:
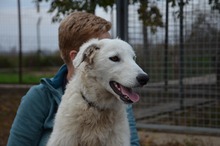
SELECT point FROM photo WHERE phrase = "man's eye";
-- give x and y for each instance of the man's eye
(114, 58)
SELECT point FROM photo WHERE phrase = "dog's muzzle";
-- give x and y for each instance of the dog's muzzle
(127, 95)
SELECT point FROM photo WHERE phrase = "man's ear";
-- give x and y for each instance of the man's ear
(86, 54)
(73, 54)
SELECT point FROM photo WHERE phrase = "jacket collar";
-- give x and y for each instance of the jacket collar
(59, 80)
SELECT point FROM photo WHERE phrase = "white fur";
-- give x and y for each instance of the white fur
(79, 124)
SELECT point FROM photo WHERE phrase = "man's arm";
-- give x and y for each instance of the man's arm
(27, 126)
(133, 131)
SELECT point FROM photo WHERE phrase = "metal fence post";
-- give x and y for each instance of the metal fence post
(20, 41)
(181, 58)
(122, 19)
(166, 47)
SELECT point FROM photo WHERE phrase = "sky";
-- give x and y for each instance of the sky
(29, 15)
(49, 30)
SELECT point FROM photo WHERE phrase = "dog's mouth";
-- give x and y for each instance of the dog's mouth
(126, 94)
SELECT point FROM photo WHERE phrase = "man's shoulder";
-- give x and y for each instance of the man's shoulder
(36, 93)
(44, 93)
(37, 89)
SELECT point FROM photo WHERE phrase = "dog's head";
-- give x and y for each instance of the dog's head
(112, 63)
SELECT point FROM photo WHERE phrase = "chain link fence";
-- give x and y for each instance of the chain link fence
(33, 54)
(182, 60)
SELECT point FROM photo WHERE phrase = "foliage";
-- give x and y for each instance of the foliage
(215, 4)
(174, 2)
(41, 61)
(30, 60)
(149, 13)
(34, 67)
(64, 7)
(205, 32)
(6, 62)
(151, 17)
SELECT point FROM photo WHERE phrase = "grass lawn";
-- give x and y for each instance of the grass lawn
(11, 78)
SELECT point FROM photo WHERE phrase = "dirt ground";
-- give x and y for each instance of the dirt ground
(9, 102)
(10, 99)
(172, 139)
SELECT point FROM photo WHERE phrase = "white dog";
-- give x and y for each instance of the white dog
(92, 111)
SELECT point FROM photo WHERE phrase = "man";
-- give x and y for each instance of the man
(33, 123)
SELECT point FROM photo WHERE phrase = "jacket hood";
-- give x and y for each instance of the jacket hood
(57, 84)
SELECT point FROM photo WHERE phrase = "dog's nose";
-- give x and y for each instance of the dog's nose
(142, 79)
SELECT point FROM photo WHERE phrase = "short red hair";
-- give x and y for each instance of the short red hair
(76, 29)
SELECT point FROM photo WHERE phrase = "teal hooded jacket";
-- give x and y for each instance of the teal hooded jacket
(33, 123)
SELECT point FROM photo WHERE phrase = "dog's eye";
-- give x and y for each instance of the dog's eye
(114, 58)
(135, 58)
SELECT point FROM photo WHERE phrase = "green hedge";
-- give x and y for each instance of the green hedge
(31, 60)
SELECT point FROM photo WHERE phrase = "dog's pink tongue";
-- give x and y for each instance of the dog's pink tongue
(132, 95)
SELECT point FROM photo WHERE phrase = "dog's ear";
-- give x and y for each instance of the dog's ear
(87, 55)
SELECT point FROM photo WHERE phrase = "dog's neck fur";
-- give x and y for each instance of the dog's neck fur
(92, 104)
